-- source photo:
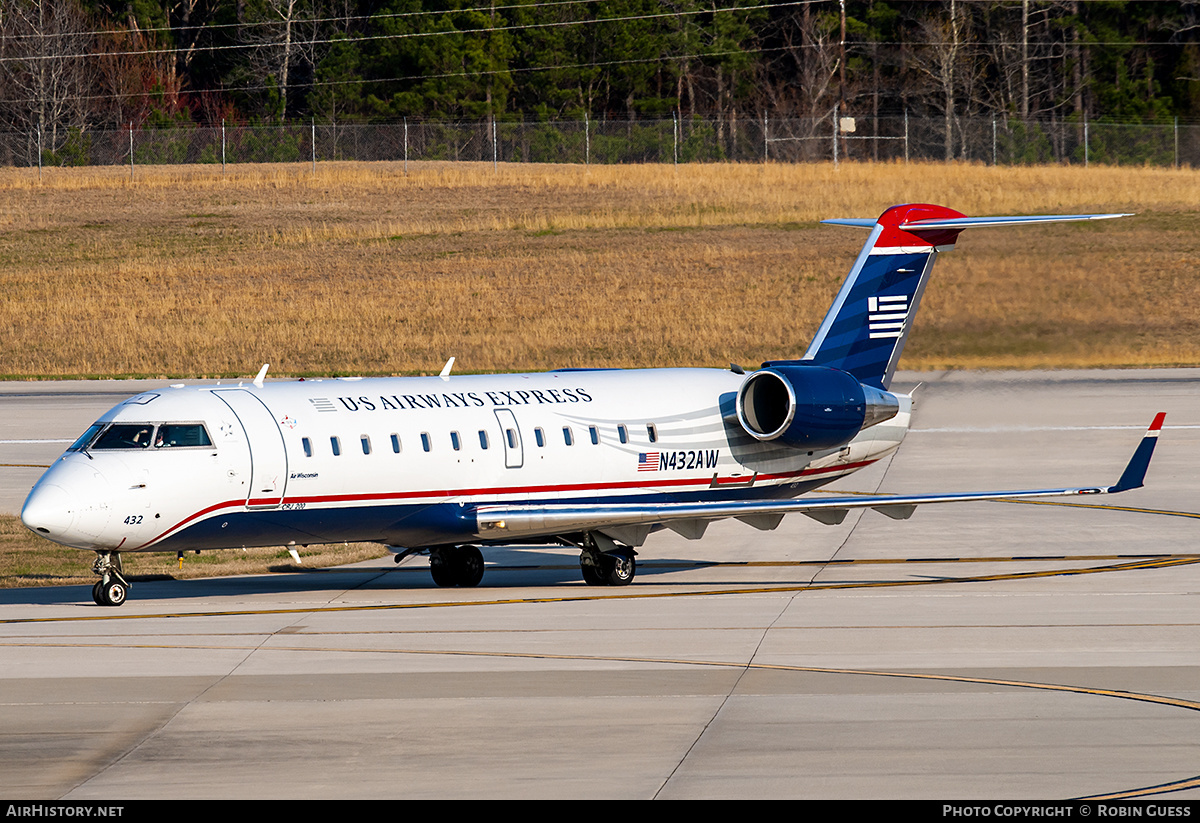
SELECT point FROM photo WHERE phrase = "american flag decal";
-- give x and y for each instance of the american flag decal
(885, 315)
(648, 462)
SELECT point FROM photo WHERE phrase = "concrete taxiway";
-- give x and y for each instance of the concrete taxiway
(990, 650)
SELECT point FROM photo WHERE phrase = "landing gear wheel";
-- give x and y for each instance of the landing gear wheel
(96, 595)
(456, 566)
(618, 569)
(442, 568)
(470, 566)
(591, 574)
(112, 593)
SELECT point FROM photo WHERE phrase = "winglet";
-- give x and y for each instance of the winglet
(1135, 472)
(262, 373)
(445, 373)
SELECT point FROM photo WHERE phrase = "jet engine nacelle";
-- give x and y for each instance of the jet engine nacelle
(810, 407)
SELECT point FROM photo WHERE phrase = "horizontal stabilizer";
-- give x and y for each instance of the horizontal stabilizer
(978, 222)
(853, 222)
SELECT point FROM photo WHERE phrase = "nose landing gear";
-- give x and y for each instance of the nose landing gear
(112, 588)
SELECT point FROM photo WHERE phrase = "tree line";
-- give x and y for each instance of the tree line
(67, 66)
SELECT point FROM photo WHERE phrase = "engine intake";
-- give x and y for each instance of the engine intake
(810, 407)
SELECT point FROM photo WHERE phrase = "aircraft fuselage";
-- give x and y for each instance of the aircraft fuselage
(408, 461)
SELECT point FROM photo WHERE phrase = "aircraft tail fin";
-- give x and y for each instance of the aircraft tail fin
(866, 327)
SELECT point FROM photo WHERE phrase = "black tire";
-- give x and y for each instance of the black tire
(441, 567)
(619, 569)
(591, 575)
(97, 597)
(469, 563)
(112, 593)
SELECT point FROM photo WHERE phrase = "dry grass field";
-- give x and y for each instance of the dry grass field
(361, 269)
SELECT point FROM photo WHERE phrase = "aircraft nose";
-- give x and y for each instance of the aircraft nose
(71, 504)
(48, 511)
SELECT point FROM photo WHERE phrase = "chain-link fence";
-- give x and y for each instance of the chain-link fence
(991, 140)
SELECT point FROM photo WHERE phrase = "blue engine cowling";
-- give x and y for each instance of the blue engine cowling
(810, 407)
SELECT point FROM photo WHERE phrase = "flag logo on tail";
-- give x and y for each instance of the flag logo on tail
(885, 315)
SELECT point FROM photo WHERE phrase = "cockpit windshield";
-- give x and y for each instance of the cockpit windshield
(172, 435)
(101, 436)
(86, 437)
(124, 436)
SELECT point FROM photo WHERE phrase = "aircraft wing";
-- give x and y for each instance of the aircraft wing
(634, 520)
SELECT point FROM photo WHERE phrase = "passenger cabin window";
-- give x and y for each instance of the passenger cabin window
(623, 434)
(483, 439)
(540, 437)
(307, 444)
(336, 443)
(652, 432)
(595, 434)
(426, 443)
(366, 444)
(568, 438)
(396, 443)
(455, 441)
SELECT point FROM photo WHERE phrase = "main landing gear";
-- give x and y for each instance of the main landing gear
(112, 588)
(456, 566)
(602, 561)
(605, 563)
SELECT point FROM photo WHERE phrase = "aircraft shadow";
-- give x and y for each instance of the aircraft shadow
(508, 568)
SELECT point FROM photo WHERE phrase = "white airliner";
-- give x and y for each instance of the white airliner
(594, 458)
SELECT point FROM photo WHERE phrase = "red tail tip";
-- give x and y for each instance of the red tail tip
(896, 216)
